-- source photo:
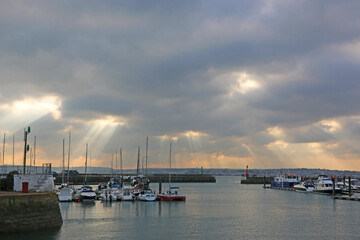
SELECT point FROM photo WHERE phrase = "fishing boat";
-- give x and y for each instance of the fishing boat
(285, 181)
(173, 194)
(324, 185)
(305, 186)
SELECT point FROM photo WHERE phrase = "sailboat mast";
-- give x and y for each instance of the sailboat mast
(13, 152)
(121, 164)
(68, 168)
(112, 159)
(170, 166)
(86, 154)
(35, 153)
(4, 151)
(146, 155)
(138, 162)
(116, 166)
(63, 165)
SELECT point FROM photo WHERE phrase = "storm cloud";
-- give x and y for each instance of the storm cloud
(265, 83)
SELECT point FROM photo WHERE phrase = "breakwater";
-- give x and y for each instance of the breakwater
(28, 211)
(257, 180)
(98, 178)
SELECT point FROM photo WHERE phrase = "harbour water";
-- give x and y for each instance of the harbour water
(222, 210)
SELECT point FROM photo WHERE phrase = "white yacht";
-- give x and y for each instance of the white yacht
(355, 184)
(305, 186)
(324, 185)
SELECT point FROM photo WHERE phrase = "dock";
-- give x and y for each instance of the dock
(346, 198)
(339, 197)
(279, 188)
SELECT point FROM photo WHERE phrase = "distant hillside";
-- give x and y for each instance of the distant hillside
(213, 171)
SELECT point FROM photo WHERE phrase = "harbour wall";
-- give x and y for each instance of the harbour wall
(257, 180)
(98, 178)
(29, 211)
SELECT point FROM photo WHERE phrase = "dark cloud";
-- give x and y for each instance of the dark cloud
(168, 67)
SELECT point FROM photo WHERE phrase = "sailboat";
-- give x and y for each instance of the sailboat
(173, 194)
(85, 193)
(65, 193)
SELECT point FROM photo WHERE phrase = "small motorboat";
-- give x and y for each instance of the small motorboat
(85, 193)
(355, 185)
(172, 195)
(305, 186)
(108, 195)
(65, 194)
(146, 195)
(126, 194)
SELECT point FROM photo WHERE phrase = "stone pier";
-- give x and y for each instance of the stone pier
(28, 211)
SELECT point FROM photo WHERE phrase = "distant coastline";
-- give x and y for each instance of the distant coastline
(311, 172)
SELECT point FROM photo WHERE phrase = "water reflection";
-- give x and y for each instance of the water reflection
(47, 234)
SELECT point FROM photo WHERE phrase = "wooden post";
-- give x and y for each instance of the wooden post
(264, 181)
(349, 185)
(333, 185)
(160, 186)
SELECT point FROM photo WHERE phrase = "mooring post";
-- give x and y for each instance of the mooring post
(333, 185)
(160, 186)
(349, 185)
(264, 181)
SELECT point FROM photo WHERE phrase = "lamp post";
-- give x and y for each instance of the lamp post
(26, 147)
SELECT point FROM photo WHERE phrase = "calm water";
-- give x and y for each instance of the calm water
(222, 210)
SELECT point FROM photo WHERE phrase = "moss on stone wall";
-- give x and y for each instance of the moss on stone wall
(25, 212)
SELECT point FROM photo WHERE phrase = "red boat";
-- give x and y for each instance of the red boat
(174, 192)
(172, 195)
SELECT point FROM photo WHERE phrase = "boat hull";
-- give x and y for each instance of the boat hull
(327, 191)
(171, 198)
(298, 189)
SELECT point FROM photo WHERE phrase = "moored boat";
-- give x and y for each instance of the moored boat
(85, 193)
(324, 185)
(146, 195)
(65, 194)
(126, 193)
(172, 195)
(305, 186)
(285, 181)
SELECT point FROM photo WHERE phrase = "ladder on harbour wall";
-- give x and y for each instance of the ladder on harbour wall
(46, 171)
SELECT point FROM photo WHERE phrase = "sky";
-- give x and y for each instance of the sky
(268, 84)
